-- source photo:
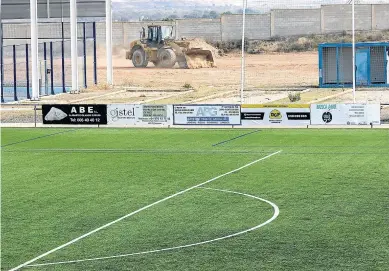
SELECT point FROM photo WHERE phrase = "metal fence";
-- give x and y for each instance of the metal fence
(54, 63)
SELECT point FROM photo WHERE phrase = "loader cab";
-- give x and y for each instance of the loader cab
(157, 34)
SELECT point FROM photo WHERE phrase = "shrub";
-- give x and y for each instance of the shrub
(187, 86)
(294, 97)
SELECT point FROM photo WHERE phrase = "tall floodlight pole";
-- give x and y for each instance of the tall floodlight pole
(354, 67)
(34, 50)
(242, 74)
(73, 41)
(108, 32)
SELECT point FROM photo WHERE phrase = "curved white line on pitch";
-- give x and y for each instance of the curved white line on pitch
(276, 213)
(140, 210)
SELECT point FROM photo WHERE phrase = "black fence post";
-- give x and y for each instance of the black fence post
(84, 39)
(14, 66)
(63, 60)
(27, 73)
(94, 54)
(51, 68)
(45, 66)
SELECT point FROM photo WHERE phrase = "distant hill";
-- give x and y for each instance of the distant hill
(135, 10)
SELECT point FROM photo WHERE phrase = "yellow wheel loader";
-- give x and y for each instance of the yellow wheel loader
(161, 48)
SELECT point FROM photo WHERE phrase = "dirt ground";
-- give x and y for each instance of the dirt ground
(269, 79)
(264, 70)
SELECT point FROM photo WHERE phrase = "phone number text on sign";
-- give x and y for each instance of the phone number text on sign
(207, 114)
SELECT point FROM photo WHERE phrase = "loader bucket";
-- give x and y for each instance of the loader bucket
(199, 58)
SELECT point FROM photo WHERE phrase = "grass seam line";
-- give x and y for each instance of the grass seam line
(138, 211)
(275, 215)
(234, 138)
(38, 137)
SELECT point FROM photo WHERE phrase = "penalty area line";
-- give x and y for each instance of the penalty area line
(140, 210)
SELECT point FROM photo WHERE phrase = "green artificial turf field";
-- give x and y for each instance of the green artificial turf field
(331, 188)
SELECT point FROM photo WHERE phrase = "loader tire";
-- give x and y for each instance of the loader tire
(139, 59)
(166, 58)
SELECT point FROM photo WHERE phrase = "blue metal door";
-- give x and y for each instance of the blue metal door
(362, 66)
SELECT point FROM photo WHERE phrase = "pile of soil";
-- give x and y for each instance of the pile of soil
(200, 43)
(200, 61)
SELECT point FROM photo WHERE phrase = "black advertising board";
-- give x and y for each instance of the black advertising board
(86, 114)
(299, 116)
(252, 115)
(275, 114)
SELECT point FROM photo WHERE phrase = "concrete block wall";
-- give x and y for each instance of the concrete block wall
(286, 22)
(280, 22)
(380, 17)
(117, 33)
(337, 18)
(257, 27)
(207, 29)
(52, 30)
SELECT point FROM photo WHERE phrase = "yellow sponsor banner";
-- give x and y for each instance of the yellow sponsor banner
(275, 106)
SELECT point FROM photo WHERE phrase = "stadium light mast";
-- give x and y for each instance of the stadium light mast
(354, 67)
(73, 41)
(242, 74)
(108, 32)
(34, 50)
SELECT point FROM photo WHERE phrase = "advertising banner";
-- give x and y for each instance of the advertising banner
(86, 114)
(282, 114)
(206, 114)
(131, 114)
(155, 114)
(345, 114)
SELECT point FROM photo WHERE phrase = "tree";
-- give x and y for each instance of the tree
(213, 14)
(248, 11)
(174, 16)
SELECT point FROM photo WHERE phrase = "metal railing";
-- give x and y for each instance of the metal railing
(54, 66)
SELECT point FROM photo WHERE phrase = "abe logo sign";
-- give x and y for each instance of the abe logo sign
(91, 114)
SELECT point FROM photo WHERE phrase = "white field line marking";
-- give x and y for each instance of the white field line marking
(275, 215)
(217, 95)
(139, 210)
(165, 97)
(330, 97)
(98, 96)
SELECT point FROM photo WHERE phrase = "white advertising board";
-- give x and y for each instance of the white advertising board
(288, 115)
(131, 114)
(345, 114)
(206, 114)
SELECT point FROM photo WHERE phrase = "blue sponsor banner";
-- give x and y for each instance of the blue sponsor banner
(207, 114)
(226, 119)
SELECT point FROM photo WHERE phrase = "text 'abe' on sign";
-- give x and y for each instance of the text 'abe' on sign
(92, 114)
